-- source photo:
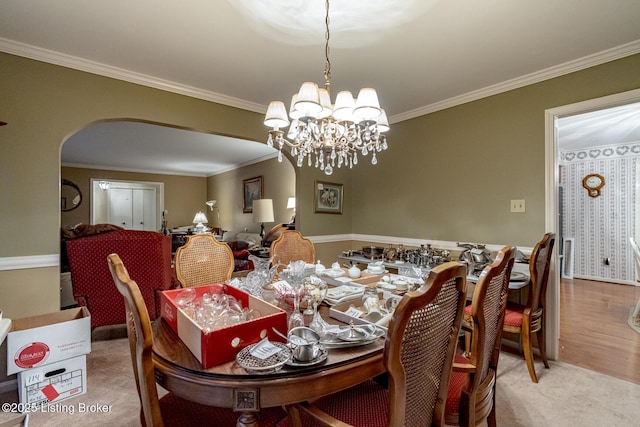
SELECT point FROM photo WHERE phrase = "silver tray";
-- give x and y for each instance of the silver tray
(271, 363)
(335, 342)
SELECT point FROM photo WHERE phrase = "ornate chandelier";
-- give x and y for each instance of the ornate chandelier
(328, 135)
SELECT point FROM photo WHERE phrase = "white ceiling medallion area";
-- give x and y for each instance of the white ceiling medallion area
(296, 22)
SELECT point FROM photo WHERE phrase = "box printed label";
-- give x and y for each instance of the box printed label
(31, 354)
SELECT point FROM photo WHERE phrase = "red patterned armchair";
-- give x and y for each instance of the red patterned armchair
(146, 254)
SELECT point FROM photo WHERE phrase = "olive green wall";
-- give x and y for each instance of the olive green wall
(446, 176)
(279, 183)
(450, 175)
(183, 195)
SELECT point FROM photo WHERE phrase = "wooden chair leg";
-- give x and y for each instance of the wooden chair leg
(542, 345)
(528, 353)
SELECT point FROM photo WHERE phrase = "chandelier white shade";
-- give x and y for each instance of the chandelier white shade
(328, 135)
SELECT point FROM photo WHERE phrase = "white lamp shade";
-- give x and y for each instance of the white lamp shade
(200, 218)
(325, 102)
(308, 103)
(343, 110)
(293, 112)
(383, 122)
(276, 116)
(291, 203)
(263, 210)
(367, 105)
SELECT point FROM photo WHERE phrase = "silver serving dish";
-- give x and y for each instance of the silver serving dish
(273, 363)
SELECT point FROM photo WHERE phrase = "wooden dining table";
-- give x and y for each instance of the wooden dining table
(230, 386)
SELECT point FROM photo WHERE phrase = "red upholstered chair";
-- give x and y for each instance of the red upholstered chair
(170, 410)
(148, 255)
(240, 251)
(418, 355)
(472, 389)
(529, 319)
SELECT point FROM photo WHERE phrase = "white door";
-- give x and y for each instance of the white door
(144, 209)
(133, 208)
(121, 207)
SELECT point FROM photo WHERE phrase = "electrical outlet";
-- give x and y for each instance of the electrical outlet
(517, 205)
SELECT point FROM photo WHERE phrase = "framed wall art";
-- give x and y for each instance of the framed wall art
(328, 197)
(251, 190)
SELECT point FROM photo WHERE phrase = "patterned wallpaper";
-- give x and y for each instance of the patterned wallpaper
(601, 226)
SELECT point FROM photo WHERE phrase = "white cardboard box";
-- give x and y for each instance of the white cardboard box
(53, 382)
(48, 338)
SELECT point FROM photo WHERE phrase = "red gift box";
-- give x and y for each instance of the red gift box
(222, 345)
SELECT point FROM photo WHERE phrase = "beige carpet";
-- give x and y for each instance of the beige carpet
(566, 395)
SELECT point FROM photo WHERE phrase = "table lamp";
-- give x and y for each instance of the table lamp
(262, 212)
(291, 204)
(200, 219)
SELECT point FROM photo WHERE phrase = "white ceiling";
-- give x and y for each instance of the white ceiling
(420, 55)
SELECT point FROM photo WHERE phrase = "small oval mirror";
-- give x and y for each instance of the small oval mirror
(70, 196)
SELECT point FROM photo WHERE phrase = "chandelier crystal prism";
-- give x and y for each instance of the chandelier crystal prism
(327, 135)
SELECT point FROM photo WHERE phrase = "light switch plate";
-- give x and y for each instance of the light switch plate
(517, 205)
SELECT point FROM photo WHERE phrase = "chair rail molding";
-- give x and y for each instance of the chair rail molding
(30, 261)
(407, 241)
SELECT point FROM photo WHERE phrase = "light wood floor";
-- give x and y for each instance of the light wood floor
(594, 333)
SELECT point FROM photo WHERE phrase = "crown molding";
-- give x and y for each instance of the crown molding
(57, 58)
(609, 55)
(76, 63)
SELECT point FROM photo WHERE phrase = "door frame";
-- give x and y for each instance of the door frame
(552, 178)
(157, 186)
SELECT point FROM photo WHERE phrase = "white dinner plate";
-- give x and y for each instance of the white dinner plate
(387, 285)
(516, 276)
(333, 272)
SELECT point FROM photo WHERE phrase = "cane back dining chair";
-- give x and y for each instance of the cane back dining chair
(472, 388)
(291, 246)
(203, 261)
(529, 319)
(170, 410)
(418, 354)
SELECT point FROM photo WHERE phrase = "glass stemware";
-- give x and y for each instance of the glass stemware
(296, 318)
(318, 291)
(296, 274)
